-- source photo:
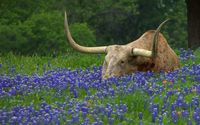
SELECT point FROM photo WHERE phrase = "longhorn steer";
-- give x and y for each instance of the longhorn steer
(150, 52)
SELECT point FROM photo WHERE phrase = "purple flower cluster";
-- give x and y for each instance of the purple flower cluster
(87, 99)
(29, 115)
(186, 54)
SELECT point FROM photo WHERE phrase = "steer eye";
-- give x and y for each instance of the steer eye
(122, 62)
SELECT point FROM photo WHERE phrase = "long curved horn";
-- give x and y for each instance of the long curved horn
(155, 38)
(101, 49)
(147, 53)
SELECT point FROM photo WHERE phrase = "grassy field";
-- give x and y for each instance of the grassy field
(38, 64)
(69, 90)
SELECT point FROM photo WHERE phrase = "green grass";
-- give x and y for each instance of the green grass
(37, 64)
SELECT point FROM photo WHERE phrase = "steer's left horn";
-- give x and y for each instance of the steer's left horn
(141, 52)
(101, 49)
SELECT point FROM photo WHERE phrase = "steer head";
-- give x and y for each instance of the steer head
(120, 59)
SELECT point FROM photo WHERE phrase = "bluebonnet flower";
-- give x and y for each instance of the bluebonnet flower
(196, 117)
(153, 117)
(174, 116)
(140, 115)
(110, 121)
(189, 122)
(160, 120)
(185, 114)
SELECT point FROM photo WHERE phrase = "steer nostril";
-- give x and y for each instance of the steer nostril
(105, 76)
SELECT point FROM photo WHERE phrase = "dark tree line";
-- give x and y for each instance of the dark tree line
(36, 26)
(193, 7)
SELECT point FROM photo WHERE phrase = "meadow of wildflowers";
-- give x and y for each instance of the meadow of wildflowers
(80, 97)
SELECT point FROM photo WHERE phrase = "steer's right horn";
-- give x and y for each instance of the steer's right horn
(101, 49)
(155, 38)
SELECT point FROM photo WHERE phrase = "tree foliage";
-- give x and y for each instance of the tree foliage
(36, 26)
(82, 34)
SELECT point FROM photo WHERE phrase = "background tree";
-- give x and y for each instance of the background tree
(36, 26)
(193, 9)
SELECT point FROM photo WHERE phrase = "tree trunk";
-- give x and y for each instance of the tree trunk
(193, 14)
